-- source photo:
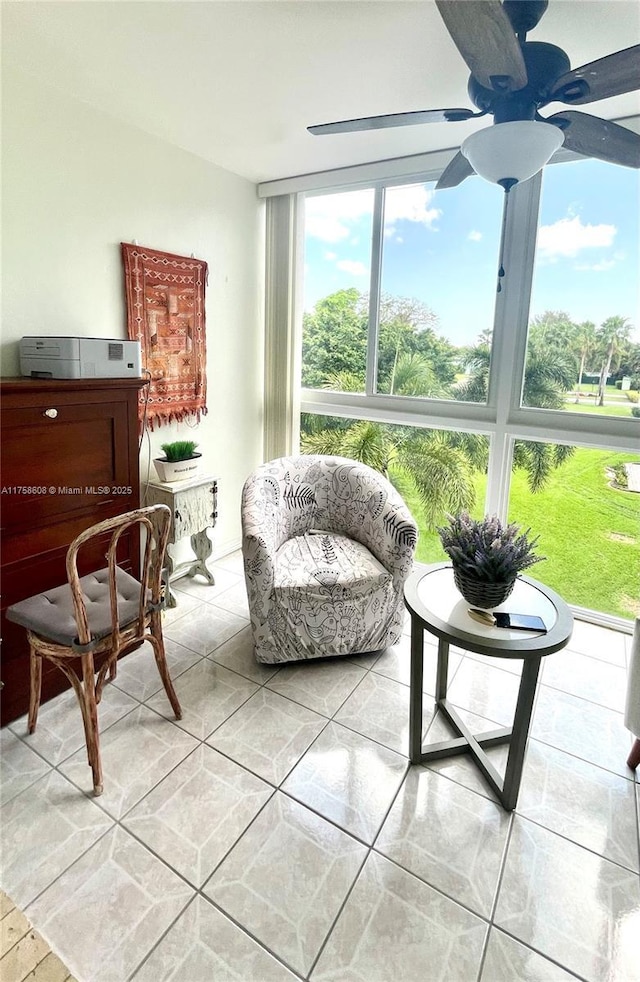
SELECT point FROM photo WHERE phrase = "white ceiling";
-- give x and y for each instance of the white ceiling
(238, 81)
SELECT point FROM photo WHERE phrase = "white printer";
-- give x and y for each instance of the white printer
(49, 357)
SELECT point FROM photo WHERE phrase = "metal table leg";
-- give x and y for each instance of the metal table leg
(521, 722)
(465, 742)
(415, 690)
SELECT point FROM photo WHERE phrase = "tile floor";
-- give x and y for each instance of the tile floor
(277, 831)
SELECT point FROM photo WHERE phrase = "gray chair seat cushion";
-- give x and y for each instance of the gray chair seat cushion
(50, 613)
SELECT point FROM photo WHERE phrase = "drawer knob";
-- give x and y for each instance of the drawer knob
(51, 413)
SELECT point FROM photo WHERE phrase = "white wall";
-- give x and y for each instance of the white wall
(76, 182)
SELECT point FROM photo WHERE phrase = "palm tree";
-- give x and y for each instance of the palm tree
(431, 465)
(413, 375)
(436, 467)
(585, 341)
(613, 335)
(548, 374)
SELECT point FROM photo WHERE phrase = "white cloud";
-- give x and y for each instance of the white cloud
(410, 204)
(600, 267)
(568, 236)
(330, 217)
(474, 235)
(353, 267)
(330, 256)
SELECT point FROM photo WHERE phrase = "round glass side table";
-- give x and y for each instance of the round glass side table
(435, 605)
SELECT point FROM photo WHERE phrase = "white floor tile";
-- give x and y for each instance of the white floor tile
(570, 905)
(507, 960)
(194, 816)
(395, 663)
(238, 654)
(110, 908)
(599, 642)
(379, 709)
(203, 945)
(450, 837)
(204, 628)
(268, 735)
(349, 779)
(19, 765)
(286, 880)
(137, 752)
(587, 804)
(394, 927)
(199, 587)
(485, 690)
(583, 729)
(138, 673)
(208, 695)
(319, 685)
(586, 677)
(119, 904)
(59, 730)
(45, 829)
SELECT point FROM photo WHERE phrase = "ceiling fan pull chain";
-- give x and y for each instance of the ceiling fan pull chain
(501, 272)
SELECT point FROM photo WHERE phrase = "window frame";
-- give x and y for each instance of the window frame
(502, 419)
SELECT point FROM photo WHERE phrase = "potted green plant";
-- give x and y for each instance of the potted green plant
(179, 462)
(486, 557)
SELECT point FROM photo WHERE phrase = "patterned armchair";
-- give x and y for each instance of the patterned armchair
(327, 544)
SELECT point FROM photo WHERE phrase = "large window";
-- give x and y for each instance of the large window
(588, 521)
(410, 358)
(437, 471)
(583, 351)
(337, 266)
(382, 312)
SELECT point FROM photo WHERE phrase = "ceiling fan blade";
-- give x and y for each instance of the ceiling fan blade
(455, 172)
(393, 119)
(600, 138)
(613, 75)
(482, 33)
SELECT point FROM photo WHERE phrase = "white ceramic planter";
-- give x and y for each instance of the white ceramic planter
(177, 470)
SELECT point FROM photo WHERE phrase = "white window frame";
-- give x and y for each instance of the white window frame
(502, 419)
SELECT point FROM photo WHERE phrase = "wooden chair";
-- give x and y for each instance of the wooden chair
(105, 613)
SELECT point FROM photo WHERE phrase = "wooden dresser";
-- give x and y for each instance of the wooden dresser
(69, 459)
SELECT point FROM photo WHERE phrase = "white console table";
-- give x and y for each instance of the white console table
(194, 509)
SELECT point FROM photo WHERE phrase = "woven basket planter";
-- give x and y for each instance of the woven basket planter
(481, 594)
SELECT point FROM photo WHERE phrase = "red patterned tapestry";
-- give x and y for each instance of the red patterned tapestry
(165, 312)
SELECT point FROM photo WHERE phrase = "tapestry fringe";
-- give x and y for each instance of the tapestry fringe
(174, 416)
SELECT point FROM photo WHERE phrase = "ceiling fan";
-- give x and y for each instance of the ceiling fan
(511, 79)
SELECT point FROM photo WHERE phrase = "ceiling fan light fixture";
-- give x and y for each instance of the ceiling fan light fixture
(509, 153)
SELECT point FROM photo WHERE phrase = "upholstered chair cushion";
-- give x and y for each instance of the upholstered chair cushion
(50, 614)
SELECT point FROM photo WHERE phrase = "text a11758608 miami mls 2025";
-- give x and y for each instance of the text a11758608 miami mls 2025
(66, 489)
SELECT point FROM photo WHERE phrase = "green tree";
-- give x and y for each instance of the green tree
(613, 337)
(630, 363)
(553, 329)
(585, 346)
(334, 342)
(334, 339)
(549, 372)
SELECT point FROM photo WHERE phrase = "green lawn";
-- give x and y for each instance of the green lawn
(619, 409)
(589, 532)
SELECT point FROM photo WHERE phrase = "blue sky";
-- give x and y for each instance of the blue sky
(442, 247)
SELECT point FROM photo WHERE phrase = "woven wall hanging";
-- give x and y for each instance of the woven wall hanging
(165, 311)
